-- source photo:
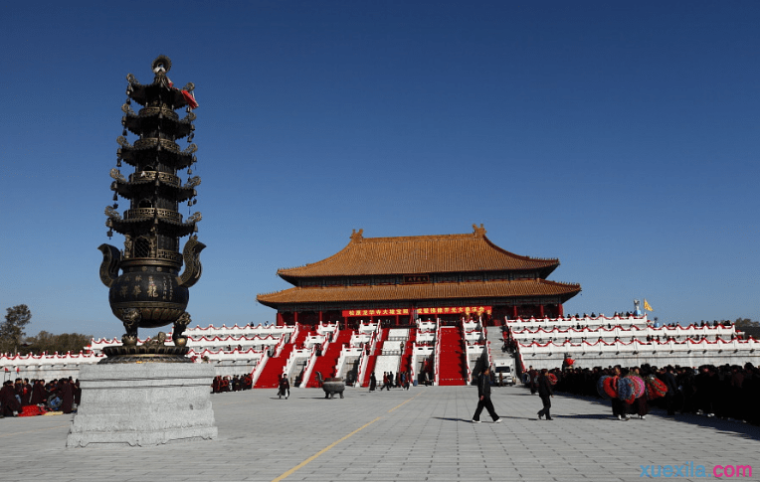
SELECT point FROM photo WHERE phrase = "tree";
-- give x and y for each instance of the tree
(749, 327)
(47, 342)
(12, 330)
(746, 323)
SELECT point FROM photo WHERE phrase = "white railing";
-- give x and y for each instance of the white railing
(324, 328)
(466, 353)
(199, 342)
(346, 352)
(326, 344)
(470, 326)
(294, 354)
(363, 360)
(279, 347)
(312, 340)
(359, 338)
(294, 335)
(259, 367)
(413, 363)
(437, 361)
(367, 327)
(341, 360)
(309, 367)
(490, 354)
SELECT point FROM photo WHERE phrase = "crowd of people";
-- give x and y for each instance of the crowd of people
(233, 383)
(399, 380)
(24, 397)
(726, 392)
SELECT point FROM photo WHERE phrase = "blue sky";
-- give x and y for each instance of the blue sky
(620, 137)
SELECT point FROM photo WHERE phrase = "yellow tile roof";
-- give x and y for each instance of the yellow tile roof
(417, 255)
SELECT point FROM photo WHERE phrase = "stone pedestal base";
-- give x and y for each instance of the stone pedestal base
(144, 404)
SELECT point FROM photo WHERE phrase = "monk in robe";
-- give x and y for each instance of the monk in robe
(8, 401)
(39, 394)
(67, 396)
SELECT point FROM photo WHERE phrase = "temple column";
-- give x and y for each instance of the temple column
(279, 321)
(541, 310)
(320, 316)
(560, 310)
(295, 317)
(398, 322)
(514, 312)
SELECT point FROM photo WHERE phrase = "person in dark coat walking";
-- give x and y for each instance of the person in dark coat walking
(545, 392)
(284, 387)
(372, 382)
(484, 397)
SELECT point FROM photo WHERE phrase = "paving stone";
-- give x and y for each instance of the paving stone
(427, 438)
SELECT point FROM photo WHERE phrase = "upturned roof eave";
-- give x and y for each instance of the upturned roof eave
(571, 290)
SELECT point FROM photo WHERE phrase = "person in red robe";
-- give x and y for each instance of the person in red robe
(67, 396)
(8, 402)
(39, 394)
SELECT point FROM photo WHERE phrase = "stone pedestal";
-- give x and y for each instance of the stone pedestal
(144, 404)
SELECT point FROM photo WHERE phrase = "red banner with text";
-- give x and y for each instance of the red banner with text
(476, 310)
(378, 312)
(448, 310)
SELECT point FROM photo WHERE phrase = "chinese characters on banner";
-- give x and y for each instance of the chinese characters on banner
(476, 310)
(380, 312)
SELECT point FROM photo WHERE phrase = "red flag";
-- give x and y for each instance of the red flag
(190, 99)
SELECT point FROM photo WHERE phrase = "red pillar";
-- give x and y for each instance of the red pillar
(279, 321)
(560, 310)
(320, 316)
(295, 317)
(541, 310)
(398, 322)
(514, 312)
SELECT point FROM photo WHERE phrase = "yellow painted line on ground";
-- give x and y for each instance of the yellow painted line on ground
(324, 450)
(33, 431)
(404, 403)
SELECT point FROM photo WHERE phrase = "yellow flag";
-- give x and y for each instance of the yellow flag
(647, 306)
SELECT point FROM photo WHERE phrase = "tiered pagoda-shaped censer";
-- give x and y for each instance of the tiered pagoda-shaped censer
(151, 292)
(125, 400)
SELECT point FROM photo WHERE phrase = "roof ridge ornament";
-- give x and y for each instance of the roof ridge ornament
(358, 237)
(161, 66)
(479, 231)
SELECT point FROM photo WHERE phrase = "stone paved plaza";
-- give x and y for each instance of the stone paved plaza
(420, 434)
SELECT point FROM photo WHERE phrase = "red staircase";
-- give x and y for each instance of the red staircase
(325, 364)
(451, 370)
(406, 357)
(270, 375)
(303, 332)
(373, 358)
